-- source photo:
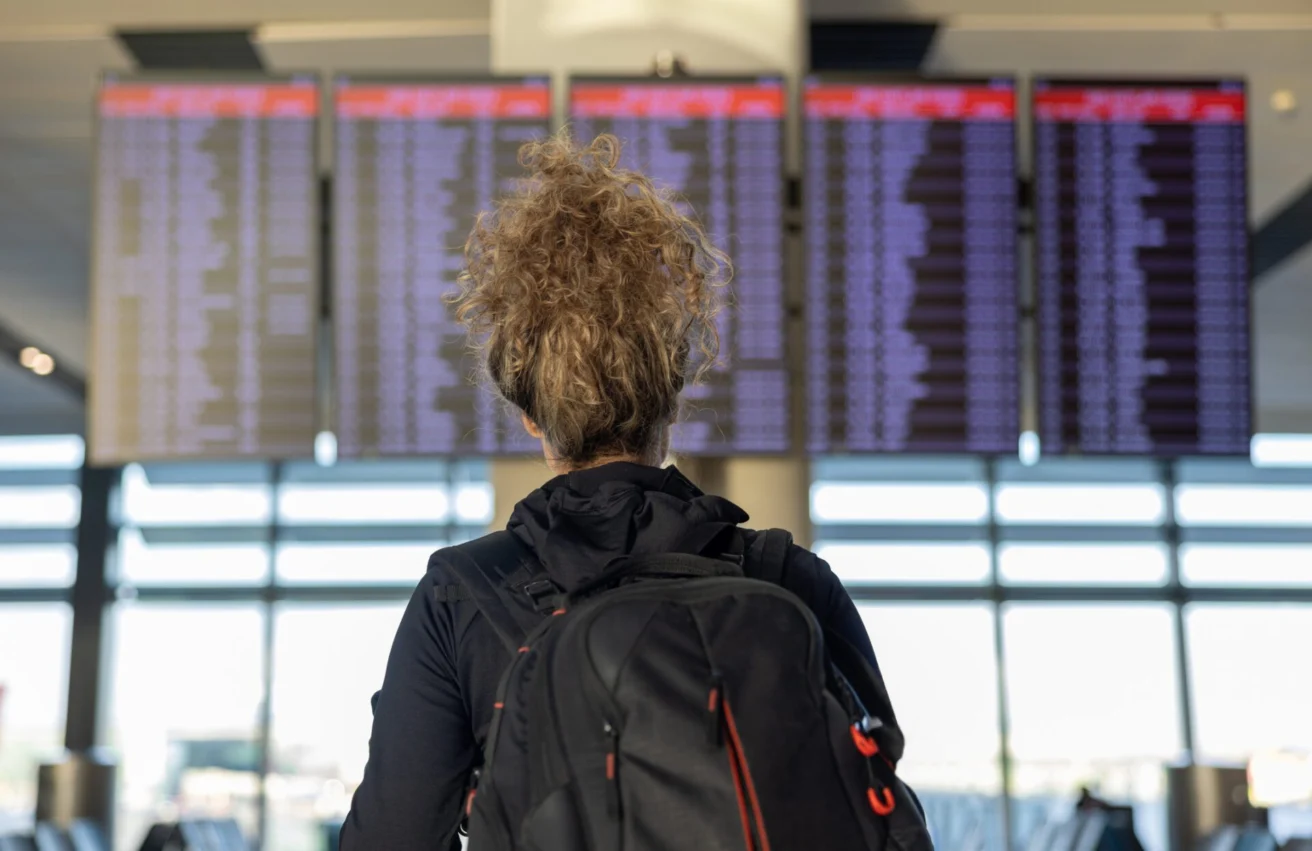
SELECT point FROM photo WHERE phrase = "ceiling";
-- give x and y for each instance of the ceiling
(52, 52)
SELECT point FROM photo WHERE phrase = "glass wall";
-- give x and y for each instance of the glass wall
(1065, 586)
(39, 510)
(1042, 628)
(256, 607)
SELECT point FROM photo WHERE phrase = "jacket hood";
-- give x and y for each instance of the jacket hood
(578, 522)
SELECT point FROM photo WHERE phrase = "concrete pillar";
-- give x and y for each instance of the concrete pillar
(774, 491)
(512, 480)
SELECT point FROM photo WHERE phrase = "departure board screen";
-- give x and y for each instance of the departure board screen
(718, 144)
(416, 163)
(205, 279)
(912, 256)
(1141, 233)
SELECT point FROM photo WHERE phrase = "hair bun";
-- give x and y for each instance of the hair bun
(591, 299)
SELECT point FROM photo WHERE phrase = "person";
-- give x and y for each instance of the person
(592, 300)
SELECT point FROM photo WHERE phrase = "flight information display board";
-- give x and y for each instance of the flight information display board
(205, 278)
(416, 163)
(1141, 233)
(719, 144)
(912, 256)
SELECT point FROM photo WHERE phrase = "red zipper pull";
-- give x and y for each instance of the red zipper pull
(612, 771)
(715, 711)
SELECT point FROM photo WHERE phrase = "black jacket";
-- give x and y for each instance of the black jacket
(446, 661)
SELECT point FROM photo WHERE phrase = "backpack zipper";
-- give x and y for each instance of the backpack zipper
(612, 771)
(749, 805)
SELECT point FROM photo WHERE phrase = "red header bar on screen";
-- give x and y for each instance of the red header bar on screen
(909, 101)
(209, 100)
(461, 100)
(1159, 105)
(695, 100)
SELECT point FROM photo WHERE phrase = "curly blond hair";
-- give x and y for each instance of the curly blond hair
(591, 300)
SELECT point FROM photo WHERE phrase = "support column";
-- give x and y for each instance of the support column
(512, 480)
(95, 535)
(776, 492)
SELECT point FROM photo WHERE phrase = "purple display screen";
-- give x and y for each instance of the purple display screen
(1141, 237)
(718, 144)
(416, 163)
(912, 256)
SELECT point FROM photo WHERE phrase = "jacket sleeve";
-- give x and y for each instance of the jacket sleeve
(810, 577)
(422, 749)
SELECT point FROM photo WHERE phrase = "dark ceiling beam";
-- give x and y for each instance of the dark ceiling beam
(870, 45)
(12, 344)
(192, 50)
(1284, 233)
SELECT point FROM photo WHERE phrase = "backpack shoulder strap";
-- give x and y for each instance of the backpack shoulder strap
(492, 572)
(767, 557)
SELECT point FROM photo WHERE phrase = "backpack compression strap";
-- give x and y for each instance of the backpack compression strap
(767, 558)
(487, 570)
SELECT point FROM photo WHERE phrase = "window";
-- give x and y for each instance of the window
(187, 687)
(34, 648)
(1244, 505)
(37, 565)
(1083, 504)
(142, 561)
(1091, 689)
(1244, 667)
(1090, 564)
(330, 563)
(375, 522)
(39, 509)
(328, 661)
(863, 563)
(339, 503)
(1270, 565)
(39, 506)
(938, 664)
(341, 547)
(1093, 701)
(41, 452)
(196, 495)
(891, 502)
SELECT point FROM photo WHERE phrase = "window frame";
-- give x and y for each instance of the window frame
(988, 474)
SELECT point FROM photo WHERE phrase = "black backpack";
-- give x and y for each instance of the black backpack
(673, 703)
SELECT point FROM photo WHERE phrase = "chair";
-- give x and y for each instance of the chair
(17, 842)
(50, 838)
(87, 836)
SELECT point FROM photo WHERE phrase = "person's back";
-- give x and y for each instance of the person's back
(593, 302)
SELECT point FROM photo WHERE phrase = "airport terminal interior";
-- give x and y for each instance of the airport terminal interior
(1019, 341)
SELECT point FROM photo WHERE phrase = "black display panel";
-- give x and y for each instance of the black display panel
(1141, 233)
(719, 144)
(204, 286)
(415, 163)
(912, 255)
